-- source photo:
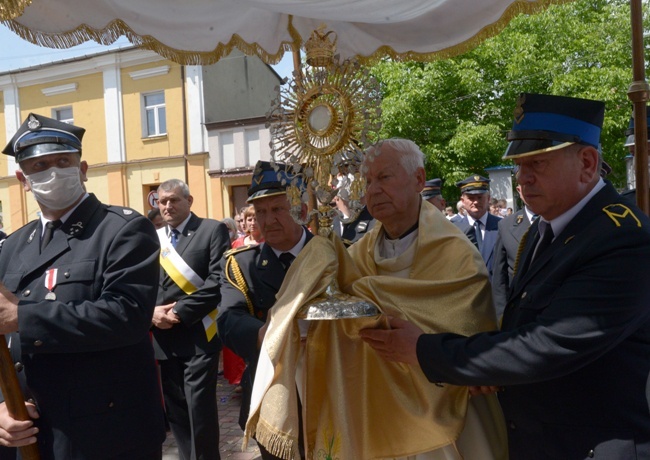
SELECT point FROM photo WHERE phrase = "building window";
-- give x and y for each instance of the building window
(63, 114)
(155, 116)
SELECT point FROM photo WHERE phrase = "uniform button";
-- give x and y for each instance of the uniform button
(26, 292)
(111, 404)
(591, 453)
(19, 367)
(524, 295)
(67, 274)
(512, 425)
(38, 343)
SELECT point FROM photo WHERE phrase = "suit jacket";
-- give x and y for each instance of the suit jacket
(355, 230)
(489, 237)
(201, 245)
(511, 230)
(238, 325)
(575, 341)
(86, 357)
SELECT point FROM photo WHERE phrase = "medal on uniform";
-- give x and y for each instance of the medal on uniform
(50, 283)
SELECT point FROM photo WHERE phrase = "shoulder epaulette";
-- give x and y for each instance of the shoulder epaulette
(620, 213)
(125, 213)
(233, 251)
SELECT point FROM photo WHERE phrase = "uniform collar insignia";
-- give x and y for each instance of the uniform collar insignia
(75, 228)
(265, 262)
(520, 218)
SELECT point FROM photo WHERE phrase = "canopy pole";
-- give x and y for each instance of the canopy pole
(638, 94)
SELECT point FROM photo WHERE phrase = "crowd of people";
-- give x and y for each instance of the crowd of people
(521, 335)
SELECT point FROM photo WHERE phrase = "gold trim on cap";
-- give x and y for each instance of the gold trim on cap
(537, 152)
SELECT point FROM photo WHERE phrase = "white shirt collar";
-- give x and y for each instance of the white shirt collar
(64, 217)
(294, 250)
(559, 223)
(529, 214)
(180, 226)
(483, 220)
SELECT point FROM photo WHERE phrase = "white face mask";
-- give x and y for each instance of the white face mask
(56, 188)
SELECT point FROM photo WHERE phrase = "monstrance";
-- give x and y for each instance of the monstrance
(320, 122)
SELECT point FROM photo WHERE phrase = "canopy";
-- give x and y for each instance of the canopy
(203, 31)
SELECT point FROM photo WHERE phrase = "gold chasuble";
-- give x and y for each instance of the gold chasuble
(357, 406)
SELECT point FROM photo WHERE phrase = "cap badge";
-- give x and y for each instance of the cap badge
(477, 178)
(519, 110)
(33, 122)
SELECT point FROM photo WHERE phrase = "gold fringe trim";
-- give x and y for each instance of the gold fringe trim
(10, 9)
(278, 444)
(117, 28)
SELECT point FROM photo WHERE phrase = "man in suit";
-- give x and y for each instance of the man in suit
(185, 339)
(432, 192)
(511, 229)
(575, 339)
(79, 283)
(254, 274)
(479, 225)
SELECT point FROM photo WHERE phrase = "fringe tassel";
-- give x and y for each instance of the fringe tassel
(277, 443)
(11, 9)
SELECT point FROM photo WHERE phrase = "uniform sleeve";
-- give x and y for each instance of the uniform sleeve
(238, 328)
(193, 308)
(119, 314)
(570, 317)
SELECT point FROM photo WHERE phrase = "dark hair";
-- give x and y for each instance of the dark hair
(153, 213)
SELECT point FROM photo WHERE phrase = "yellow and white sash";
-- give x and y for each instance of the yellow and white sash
(186, 278)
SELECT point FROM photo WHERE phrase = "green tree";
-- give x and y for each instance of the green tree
(458, 110)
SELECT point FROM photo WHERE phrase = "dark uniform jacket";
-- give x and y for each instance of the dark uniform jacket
(240, 320)
(86, 357)
(489, 237)
(355, 230)
(511, 229)
(201, 246)
(575, 347)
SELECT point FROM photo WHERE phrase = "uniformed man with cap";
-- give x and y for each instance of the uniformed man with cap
(573, 350)
(79, 283)
(480, 226)
(252, 275)
(433, 194)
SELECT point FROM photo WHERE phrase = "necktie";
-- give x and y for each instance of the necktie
(286, 258)
(479, 235)
(546, 238)
(174, 237)
(49, 231)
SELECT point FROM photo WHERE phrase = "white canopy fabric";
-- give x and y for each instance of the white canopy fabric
(202, 31)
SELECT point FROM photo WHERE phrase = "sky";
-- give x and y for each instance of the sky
(16, 53)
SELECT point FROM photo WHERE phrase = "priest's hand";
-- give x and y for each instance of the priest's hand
(399, 343)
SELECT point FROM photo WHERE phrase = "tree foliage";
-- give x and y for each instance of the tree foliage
(458, 110)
